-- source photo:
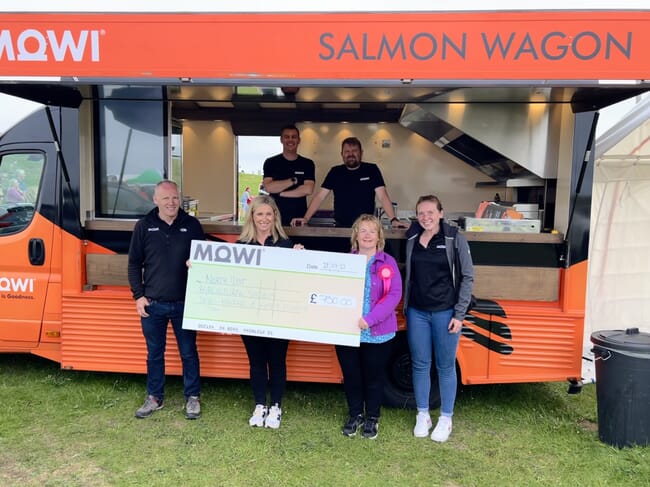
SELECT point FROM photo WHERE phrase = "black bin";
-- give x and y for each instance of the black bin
(623, 386)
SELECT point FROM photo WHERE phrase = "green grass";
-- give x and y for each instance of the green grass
(32, 165)
(63, 428)
(251, 180)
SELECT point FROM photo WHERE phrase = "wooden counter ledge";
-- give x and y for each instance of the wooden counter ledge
(230, 228)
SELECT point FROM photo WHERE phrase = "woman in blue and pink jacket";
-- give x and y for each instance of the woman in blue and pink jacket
(364, 366)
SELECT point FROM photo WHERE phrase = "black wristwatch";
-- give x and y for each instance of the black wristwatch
(294, 180)
(394, 219)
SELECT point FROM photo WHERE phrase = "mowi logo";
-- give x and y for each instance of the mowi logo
(43, 46)
(225, 253)
(16, 284)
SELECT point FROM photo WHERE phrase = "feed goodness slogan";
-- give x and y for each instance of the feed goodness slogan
(275, 292)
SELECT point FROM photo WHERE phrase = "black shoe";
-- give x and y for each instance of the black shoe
(370, 428)
(353, 424)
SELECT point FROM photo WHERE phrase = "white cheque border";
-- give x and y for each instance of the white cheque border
(275, 331)
(275, 292)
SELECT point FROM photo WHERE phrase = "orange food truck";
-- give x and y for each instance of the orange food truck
(466, 105)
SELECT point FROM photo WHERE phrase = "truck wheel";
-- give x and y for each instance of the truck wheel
(398, 385)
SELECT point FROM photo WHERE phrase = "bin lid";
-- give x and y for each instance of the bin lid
(629, 340)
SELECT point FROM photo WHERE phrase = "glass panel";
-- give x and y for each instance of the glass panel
(258, 91)
(130, 92)
(252, 151)
(132, 156)
(20, 180)
(176, 169)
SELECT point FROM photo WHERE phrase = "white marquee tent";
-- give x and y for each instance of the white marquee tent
(618, 286)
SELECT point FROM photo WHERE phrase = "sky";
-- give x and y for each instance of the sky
(253, 151)
(13, 110)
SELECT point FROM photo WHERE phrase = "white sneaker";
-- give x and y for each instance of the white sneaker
(422, 425)
(442, 430)
(257, 419)
(273, 418)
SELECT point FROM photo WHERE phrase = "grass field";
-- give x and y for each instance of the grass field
(65, 428)
(251, 180)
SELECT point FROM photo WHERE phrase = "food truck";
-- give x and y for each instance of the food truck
(479, 107)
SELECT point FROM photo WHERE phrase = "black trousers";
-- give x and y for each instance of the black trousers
(364, 370)
(268, 366)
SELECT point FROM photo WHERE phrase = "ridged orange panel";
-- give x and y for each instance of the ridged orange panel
(101, 332)
(544, 349)
(472, 359)
(545, 345)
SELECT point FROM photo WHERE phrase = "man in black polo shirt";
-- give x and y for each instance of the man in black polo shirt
(157, 271)
(289, 177)
(355, 184)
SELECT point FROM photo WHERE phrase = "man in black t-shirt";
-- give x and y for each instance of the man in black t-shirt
(355, 185)
(289, 177)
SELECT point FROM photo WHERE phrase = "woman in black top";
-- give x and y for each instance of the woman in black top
(438, 292)
(267, 356)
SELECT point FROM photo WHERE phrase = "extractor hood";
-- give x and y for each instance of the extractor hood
(504, 133)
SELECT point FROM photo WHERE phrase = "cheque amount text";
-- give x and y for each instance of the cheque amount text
(332, 300)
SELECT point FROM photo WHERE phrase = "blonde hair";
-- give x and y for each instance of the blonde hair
(249, 233)
(355, 231)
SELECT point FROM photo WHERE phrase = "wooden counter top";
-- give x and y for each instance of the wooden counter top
(231, 228)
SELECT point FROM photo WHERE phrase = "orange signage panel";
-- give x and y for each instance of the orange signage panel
(370, 46)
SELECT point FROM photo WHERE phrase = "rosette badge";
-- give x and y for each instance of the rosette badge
(385, 273)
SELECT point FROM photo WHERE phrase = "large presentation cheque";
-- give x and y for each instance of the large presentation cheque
(275, 292)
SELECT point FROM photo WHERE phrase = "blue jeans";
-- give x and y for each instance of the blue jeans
(154, 329)
(427, 331)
